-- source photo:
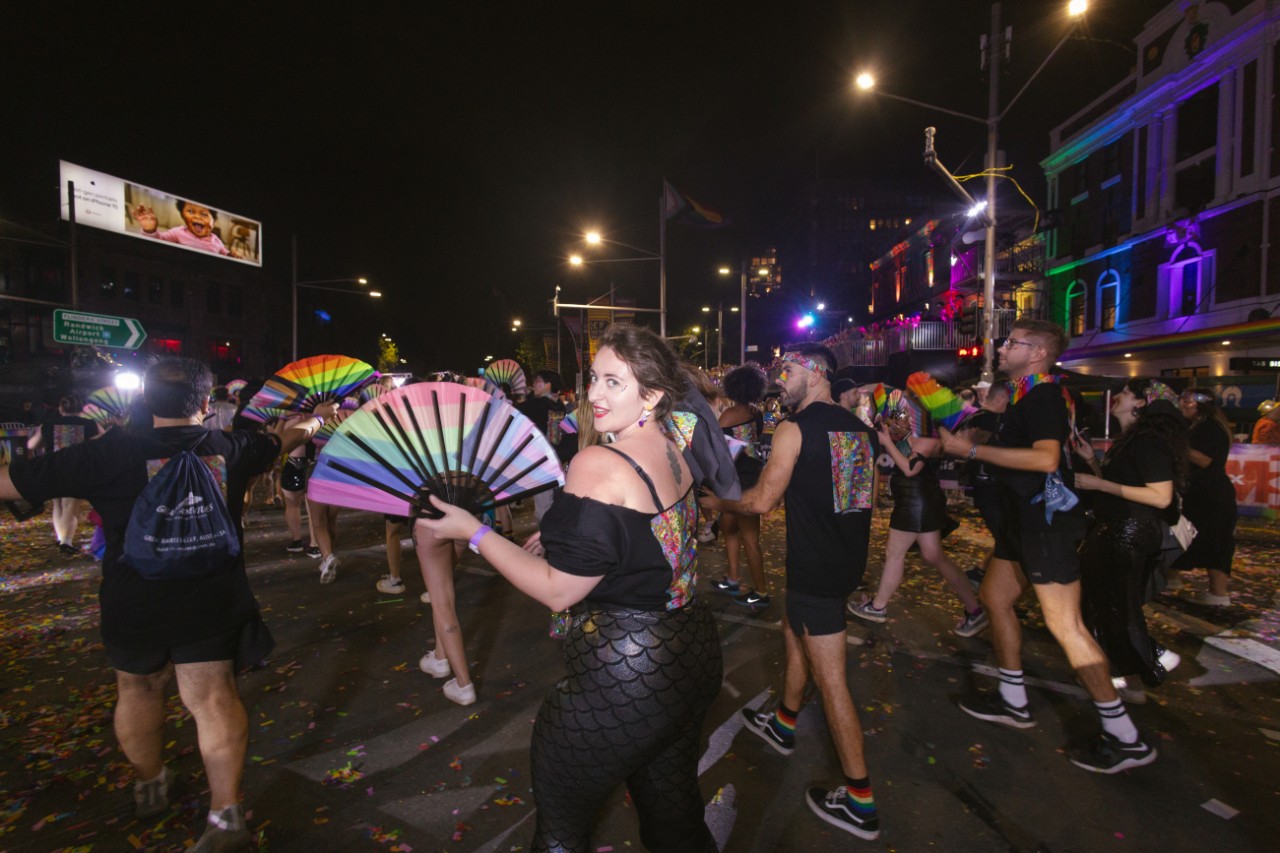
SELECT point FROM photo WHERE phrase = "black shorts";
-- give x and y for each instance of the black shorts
(1046, 556)
(245, 646)
(397, 519)
(814, 615)
(293, 478)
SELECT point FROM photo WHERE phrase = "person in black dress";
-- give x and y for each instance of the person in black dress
(1141, 473)
(1211, 498)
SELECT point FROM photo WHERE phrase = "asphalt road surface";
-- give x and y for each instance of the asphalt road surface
(352, 748)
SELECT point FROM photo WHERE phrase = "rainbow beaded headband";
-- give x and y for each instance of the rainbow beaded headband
(805, 362)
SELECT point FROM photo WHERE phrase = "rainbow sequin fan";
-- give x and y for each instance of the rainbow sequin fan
(435, 438)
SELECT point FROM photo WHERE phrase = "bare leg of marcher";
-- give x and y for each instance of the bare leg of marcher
(139, 719)
(1002, 585)
(729, 526)
(437, 557)
(933, 554)
(1060, 604)
(749, 529)
(826, 657)
(209, 692)
(796, 675)
(895, 566)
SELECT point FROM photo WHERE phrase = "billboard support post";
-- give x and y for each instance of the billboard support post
(75, 260)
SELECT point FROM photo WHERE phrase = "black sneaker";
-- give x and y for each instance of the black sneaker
(992, 708)
(759, 723)
(1109, 755)
(975, 576)
(833, 807)
(725, 584)
(295, 547)
(313, 551)
(69, 550)
(753, 599)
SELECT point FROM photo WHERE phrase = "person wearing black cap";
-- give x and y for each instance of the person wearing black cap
(1140, 475)
(844, 393)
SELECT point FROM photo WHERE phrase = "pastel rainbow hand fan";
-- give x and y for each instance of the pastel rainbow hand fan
(456, 442)
(509, 371)
(115, 401)
(569, 425)
(96, 413)
(235, 386)
(944, 407)
(308, 382)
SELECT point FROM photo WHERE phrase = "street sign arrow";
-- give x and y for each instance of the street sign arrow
(102, 330)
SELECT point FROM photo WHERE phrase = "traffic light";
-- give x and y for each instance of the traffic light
(969, 353)
(969, 323)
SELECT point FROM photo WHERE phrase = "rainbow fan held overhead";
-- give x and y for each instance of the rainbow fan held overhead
(322, 378)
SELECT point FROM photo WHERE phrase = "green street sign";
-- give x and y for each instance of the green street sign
(99, 330)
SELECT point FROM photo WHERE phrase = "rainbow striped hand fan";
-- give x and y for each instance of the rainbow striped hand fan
(509, 371)
(484, 385)
(569, 425)
(263, 414)
(115, 401)
(904, 402)
(880, 398)
(235, 386)
(322, 378)
(370, 391)
(96, 413)
(944, 407)
(441, 438)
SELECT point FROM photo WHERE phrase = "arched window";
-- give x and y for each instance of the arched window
(1108, 300)
(1187, 281)
(1076, 308)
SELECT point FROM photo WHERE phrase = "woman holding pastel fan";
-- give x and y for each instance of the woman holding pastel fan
(642, 655)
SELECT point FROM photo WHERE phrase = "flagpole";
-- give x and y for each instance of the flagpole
(662, 262)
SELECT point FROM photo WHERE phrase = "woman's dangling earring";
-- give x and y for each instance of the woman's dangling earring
(645, 416)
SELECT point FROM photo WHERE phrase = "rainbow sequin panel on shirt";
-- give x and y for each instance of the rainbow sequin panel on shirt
(674, 529)
(747, 433)
(852, 471)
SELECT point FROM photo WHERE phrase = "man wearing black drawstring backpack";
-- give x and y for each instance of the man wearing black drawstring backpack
(202, 628)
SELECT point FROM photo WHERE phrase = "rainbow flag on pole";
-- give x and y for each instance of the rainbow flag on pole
(683, 208)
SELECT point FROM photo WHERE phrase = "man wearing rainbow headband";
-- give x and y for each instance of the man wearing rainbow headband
(823, 463)
(1037, 548)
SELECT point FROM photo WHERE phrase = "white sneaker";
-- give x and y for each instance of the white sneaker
(425, 598)
(1169, 660)
(406, 543)
(461, 695)
(390, 585)
(1131, 695)
(1213, 600)
(329, 569)
(434, 666)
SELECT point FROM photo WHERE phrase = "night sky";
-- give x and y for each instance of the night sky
(453, 152)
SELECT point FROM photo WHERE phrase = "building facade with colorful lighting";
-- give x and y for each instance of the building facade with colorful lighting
(1165, 258)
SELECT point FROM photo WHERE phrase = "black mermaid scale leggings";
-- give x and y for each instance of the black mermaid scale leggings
(629, 710)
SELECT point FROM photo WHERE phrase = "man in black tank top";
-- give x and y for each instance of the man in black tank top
(823, 463)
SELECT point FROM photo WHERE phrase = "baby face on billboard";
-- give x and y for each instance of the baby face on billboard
(198, 219)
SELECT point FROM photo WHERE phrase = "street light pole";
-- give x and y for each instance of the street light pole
(293, 286)
(995, 46)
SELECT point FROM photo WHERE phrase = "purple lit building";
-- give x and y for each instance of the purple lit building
(1166, 256)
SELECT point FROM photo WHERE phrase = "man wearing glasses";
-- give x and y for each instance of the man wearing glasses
(1036, 551)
